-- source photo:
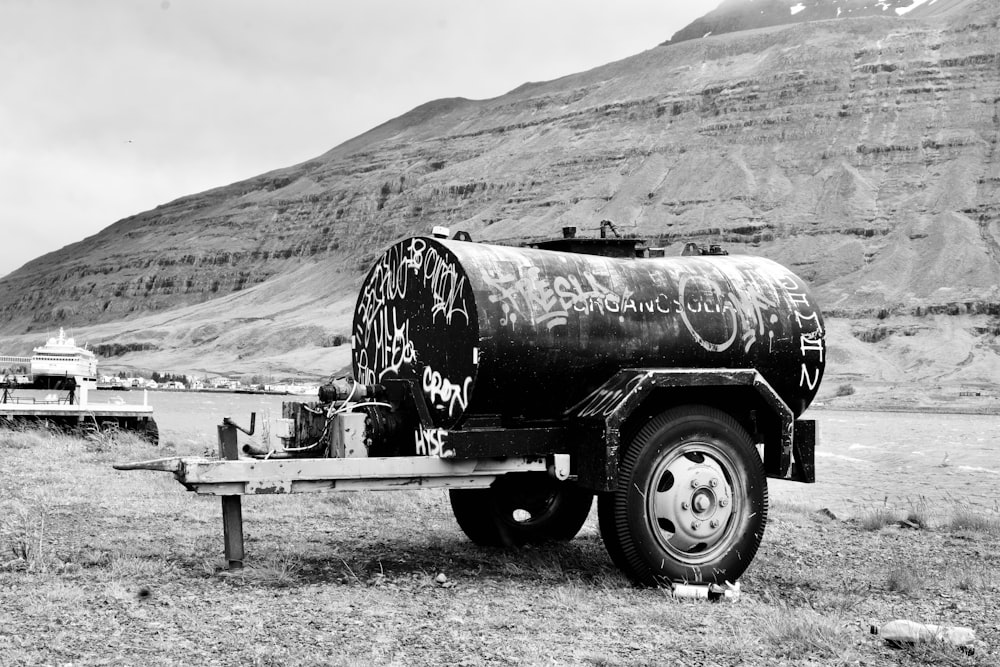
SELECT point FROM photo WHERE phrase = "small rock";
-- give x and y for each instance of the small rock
(441, 578)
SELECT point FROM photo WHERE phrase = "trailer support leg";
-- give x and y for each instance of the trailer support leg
(232, 528)
(232, 509)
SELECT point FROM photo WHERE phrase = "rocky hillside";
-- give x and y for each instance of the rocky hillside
(862, 153)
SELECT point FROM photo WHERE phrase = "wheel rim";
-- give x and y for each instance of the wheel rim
(692, 502)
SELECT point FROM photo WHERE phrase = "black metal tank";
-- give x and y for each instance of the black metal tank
(528, 333)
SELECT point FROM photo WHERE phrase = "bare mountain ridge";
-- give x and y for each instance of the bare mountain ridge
(862, 153)
(740, 15)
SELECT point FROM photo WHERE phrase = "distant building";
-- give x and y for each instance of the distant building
(296, 389)
(224, 383)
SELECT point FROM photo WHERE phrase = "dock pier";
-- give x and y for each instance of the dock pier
(73, 409)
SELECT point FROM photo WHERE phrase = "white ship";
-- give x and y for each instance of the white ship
(60, 357)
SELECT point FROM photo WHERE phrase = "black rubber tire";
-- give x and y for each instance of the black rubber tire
(521, 508)
(691, 503)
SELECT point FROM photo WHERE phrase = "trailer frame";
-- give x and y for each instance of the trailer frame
(585, 448)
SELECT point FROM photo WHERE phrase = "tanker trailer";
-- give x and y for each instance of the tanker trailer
(529, 380)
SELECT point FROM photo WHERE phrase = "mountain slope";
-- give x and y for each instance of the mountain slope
(862, 153)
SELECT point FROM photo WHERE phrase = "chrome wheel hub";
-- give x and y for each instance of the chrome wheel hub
(691, 503)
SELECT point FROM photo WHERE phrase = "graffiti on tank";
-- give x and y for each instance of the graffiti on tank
(603, 401)
(447, 287)
(390, 279)
(721, 304)
(751, 304)
(443, 392)
(389, 341)
(529, 296)
(581, 297)
(382, 333)
(627, 303)
(811, 345)
(539, 300)
(749, 309)
(622, 303)
(430, 441)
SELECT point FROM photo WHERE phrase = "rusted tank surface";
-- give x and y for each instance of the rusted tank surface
(527, 333)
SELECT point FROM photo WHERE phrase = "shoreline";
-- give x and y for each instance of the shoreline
(938, 410)
(208, 390)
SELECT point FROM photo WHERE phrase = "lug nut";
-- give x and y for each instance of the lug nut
(713, 523)
(694, 484)
(723, 502)
(695, 524)
(684, 505)
(713, 482)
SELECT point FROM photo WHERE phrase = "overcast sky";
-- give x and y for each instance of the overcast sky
(112, 107)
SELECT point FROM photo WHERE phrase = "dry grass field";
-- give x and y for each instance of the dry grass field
(100, 567)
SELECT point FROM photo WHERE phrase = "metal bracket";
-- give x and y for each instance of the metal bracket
(226, 421)
(558, 466)
(400, 391)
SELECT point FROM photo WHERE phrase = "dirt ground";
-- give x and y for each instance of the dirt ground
(100, 567)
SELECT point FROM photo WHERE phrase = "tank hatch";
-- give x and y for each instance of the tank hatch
(606, 246)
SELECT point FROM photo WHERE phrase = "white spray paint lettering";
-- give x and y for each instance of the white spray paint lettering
(447, 287)
(811, 344)
(602, 402)
(442, 391)
(720, 304)
(430, 441)
(540, 303)
(392, 343)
